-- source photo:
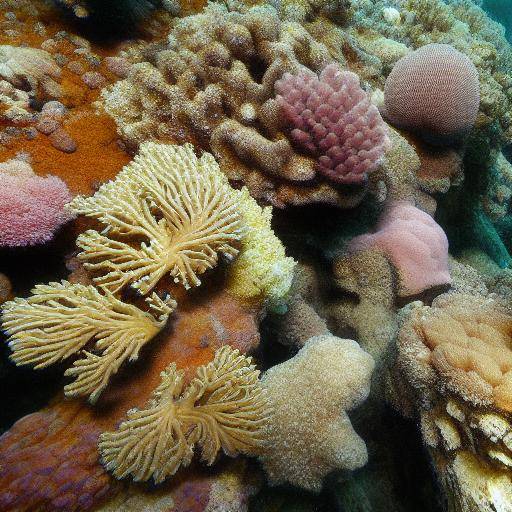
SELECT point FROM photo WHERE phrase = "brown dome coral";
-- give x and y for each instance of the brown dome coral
(434, 91)
(213, 84)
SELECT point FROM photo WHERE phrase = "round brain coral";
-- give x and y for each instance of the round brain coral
(31, 206)
(434, 91)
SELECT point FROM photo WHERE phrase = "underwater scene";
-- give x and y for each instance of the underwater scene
(256, 255)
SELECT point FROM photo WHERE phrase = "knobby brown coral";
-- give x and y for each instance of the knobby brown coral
(223, 407)
(166, 212)
(455, 372)
(59, 319)
(213, 84)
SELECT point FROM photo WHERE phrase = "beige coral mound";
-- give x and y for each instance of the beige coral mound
(310, 431)
(59, 319)
(224, 407)
(166, 212)
(466, 342)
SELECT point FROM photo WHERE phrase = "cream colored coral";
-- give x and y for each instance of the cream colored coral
(310, 431)
(180, 206)
(19, 65)
(262, 269)
(468, 343)
(60, 319)
(224, 407)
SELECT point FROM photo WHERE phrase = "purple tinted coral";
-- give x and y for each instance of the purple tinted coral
(331, 117)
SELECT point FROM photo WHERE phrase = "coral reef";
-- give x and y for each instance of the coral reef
(332, 117)
(31, 206)
(59, 319)
(454, 362)
(434, 91)
(223, 407)
(310, 431)
(415, 245)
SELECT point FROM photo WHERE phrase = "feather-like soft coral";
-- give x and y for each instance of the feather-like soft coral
(60, 319)
(181, 206)
(223, 407)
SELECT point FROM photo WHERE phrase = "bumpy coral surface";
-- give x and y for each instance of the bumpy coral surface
(455, 362)
(31, 206)
(310, 431)
(199, 220)
(415, 244)
(332, 117)
(213, 84)
(224, 407)
(59, 319)
(434, 91)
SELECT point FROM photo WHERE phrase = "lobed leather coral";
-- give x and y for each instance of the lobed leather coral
(310, 432)
(213, 84)
(180, 206)
(59, 319)
(331, 117)
(455, 368)
(223, 407)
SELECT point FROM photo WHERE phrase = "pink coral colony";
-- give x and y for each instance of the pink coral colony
(31, 206)
(414, 243)
(332, 117)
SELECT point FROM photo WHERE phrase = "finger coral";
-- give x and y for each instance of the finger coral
(223, 407)
(455, 366)
(310, 432)
(180, 206)
(415, 244)
(31, 206)
(434, 91)
(332, 118)
(58, 320)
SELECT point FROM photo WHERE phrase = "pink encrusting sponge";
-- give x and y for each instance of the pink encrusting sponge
(435, 91)
(332, 118)
(31, 206)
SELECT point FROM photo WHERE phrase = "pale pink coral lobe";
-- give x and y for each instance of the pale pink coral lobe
(31, 206)
(332, 117)
(414, 243)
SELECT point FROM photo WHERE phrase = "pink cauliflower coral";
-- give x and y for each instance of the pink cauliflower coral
(31, 206)
(415, 245)
(332, 118)
(435, 91)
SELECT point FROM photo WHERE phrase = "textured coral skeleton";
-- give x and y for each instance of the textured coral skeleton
(224, 407)
(59, 319)
(166, 212)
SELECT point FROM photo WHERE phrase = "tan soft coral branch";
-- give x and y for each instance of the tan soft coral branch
(60, 319)
(223, 407)
(166, 212)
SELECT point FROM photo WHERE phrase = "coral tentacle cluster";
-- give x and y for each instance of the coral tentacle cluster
(332, 118)
(180, 206)
(224, 407)
(59, 319)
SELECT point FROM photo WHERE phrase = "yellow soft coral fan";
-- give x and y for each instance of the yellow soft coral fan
(59, 319)
(262, 270)
(167, 211)
(223, 407)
